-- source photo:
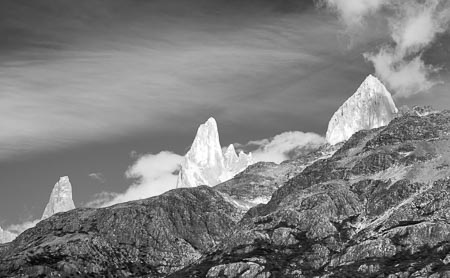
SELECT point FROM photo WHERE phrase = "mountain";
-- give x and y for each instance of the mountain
(370, 107)
(375, 206)
(6, 236)
(205, 163)
(256, 184)
(60, 198)
(145, 238)
(378, 207)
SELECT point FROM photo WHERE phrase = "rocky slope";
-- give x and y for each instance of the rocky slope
(379, 207)
(256, 184)
(147, 238)
(206, 164)
(371, 106)
(60, 198)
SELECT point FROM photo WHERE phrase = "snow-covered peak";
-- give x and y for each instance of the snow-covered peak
(370, 107)
(230, 156)
(206, 150)
(205, 163)
(60, 198)
(244, 160)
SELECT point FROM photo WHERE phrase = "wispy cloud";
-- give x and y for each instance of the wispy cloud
(88, 96)
(353, 12)
(17, 229)
(98, 177)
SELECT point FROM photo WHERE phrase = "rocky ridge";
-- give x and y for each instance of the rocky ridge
(256, 184)
(145, 238)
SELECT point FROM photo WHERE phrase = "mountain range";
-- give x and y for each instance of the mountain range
(373, 202)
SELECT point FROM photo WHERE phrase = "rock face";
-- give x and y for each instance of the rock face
(370, 107)
(145, 238)
(205, 164)
(6, 236)
(379, 207)
(256, 184)
(60, 198)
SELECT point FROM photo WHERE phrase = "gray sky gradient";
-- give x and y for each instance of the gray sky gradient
(86, 83)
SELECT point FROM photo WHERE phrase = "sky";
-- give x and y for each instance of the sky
(104, 91)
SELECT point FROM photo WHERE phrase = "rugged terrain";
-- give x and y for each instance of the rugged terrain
(149, 238)
(256, 184)
(378, 207)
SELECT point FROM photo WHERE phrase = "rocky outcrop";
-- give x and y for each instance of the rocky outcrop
(60, 198)
(205, 164)
(256, 184)
(377, 208)
(150, 237)
(370, 107)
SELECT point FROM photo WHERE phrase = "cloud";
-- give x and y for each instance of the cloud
(20, 228)
(99, 199)
(154, 174)
(405, 77)
(138, 79)
(98, 177)
(278, 148)
(413, 27)
(352, 12)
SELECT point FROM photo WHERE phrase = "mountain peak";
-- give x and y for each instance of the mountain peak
(371, 106)
(205, 149)
(230, 154)
(205, 163)
(60, 198)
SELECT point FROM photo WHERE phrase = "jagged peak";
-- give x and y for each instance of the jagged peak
(373, 86)
(230, 152)
(371, 106)
(248, 155)
(206, 162)
(60, 199)
(211, 121)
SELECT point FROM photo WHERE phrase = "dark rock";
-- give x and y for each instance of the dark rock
(148, 238)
